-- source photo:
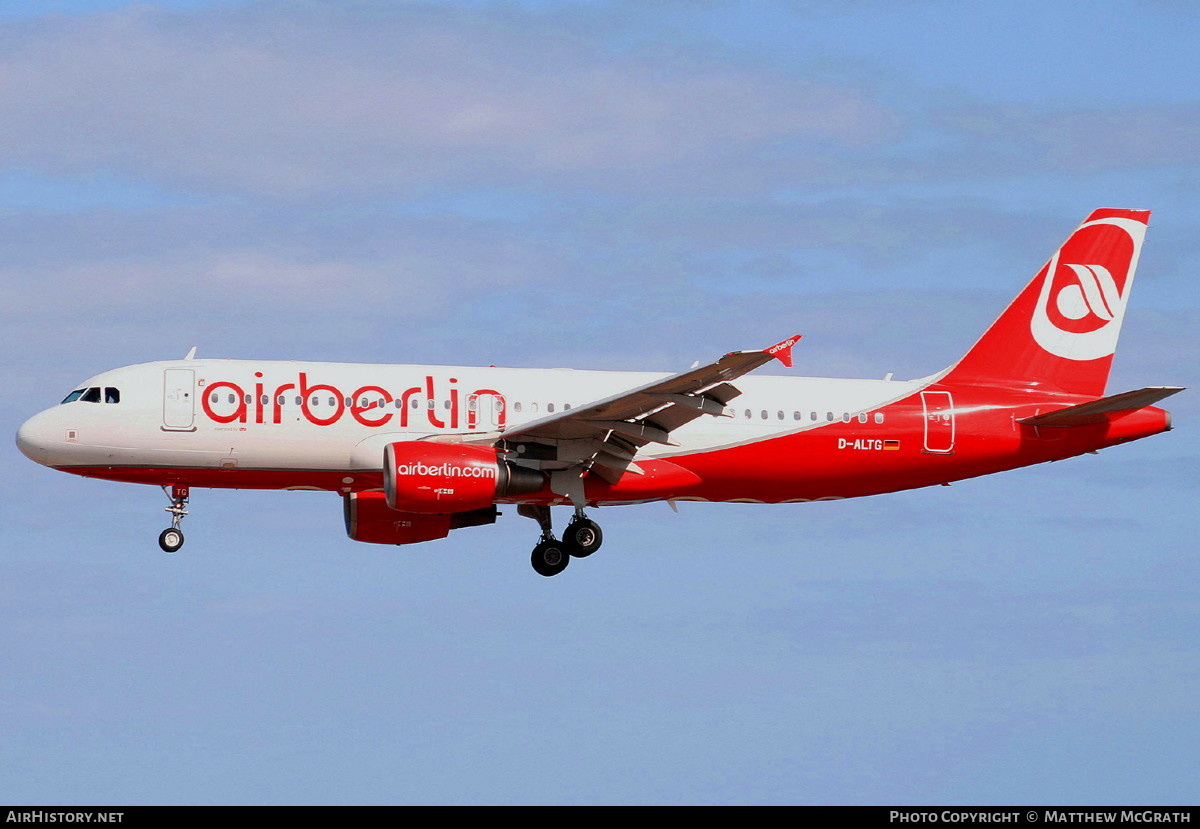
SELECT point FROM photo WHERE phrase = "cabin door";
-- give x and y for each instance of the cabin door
(939, 422)
(179, 399)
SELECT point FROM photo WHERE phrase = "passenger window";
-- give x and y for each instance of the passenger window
(73, 396)
(566, 407)
(517, 406)
(879, 417)
(780, 414)
(795, 415)
(91, 396)
(829, 416)
(549, 407)
(845, 417)
(232, 399)
(747, 413)
(862, 417)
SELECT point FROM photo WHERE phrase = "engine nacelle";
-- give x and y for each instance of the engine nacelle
(435, 478)
(369, 518)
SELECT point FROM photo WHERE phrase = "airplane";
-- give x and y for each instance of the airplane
(418, 451)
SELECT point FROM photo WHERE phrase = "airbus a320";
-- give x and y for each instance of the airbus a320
(418, 451)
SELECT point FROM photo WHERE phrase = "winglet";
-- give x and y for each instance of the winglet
(783, 351)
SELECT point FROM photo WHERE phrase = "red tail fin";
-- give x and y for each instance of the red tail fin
(1061, 331)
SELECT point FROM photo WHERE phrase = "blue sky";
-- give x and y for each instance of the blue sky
(599, 185)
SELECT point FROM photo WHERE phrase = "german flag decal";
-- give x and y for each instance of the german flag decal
(890, 444)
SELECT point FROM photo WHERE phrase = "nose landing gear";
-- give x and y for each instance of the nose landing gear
(171, 539)
(551, 556)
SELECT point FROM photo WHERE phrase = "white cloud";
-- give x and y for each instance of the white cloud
(1076, 140)
(285, 102)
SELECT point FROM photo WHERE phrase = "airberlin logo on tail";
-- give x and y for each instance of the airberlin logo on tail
(1091, 304)
(1084, 289)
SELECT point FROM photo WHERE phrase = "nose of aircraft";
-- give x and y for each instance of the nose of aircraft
(34, 438)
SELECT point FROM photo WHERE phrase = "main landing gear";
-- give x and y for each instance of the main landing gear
(171, 539)
(551, 556)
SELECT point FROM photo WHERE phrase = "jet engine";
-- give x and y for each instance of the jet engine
(437, 478)
(370, 519)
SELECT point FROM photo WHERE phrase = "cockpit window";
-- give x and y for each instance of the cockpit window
(94, 395)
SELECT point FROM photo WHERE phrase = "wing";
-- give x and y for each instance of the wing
(605, 436)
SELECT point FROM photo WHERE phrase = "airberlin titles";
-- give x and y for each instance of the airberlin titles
(321, 404)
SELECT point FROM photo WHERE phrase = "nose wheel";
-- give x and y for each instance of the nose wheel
(171, 539)
(551, 556)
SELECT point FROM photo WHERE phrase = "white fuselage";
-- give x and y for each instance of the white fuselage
(259, 415)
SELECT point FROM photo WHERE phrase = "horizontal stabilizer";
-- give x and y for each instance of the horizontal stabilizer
(1104, 409)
